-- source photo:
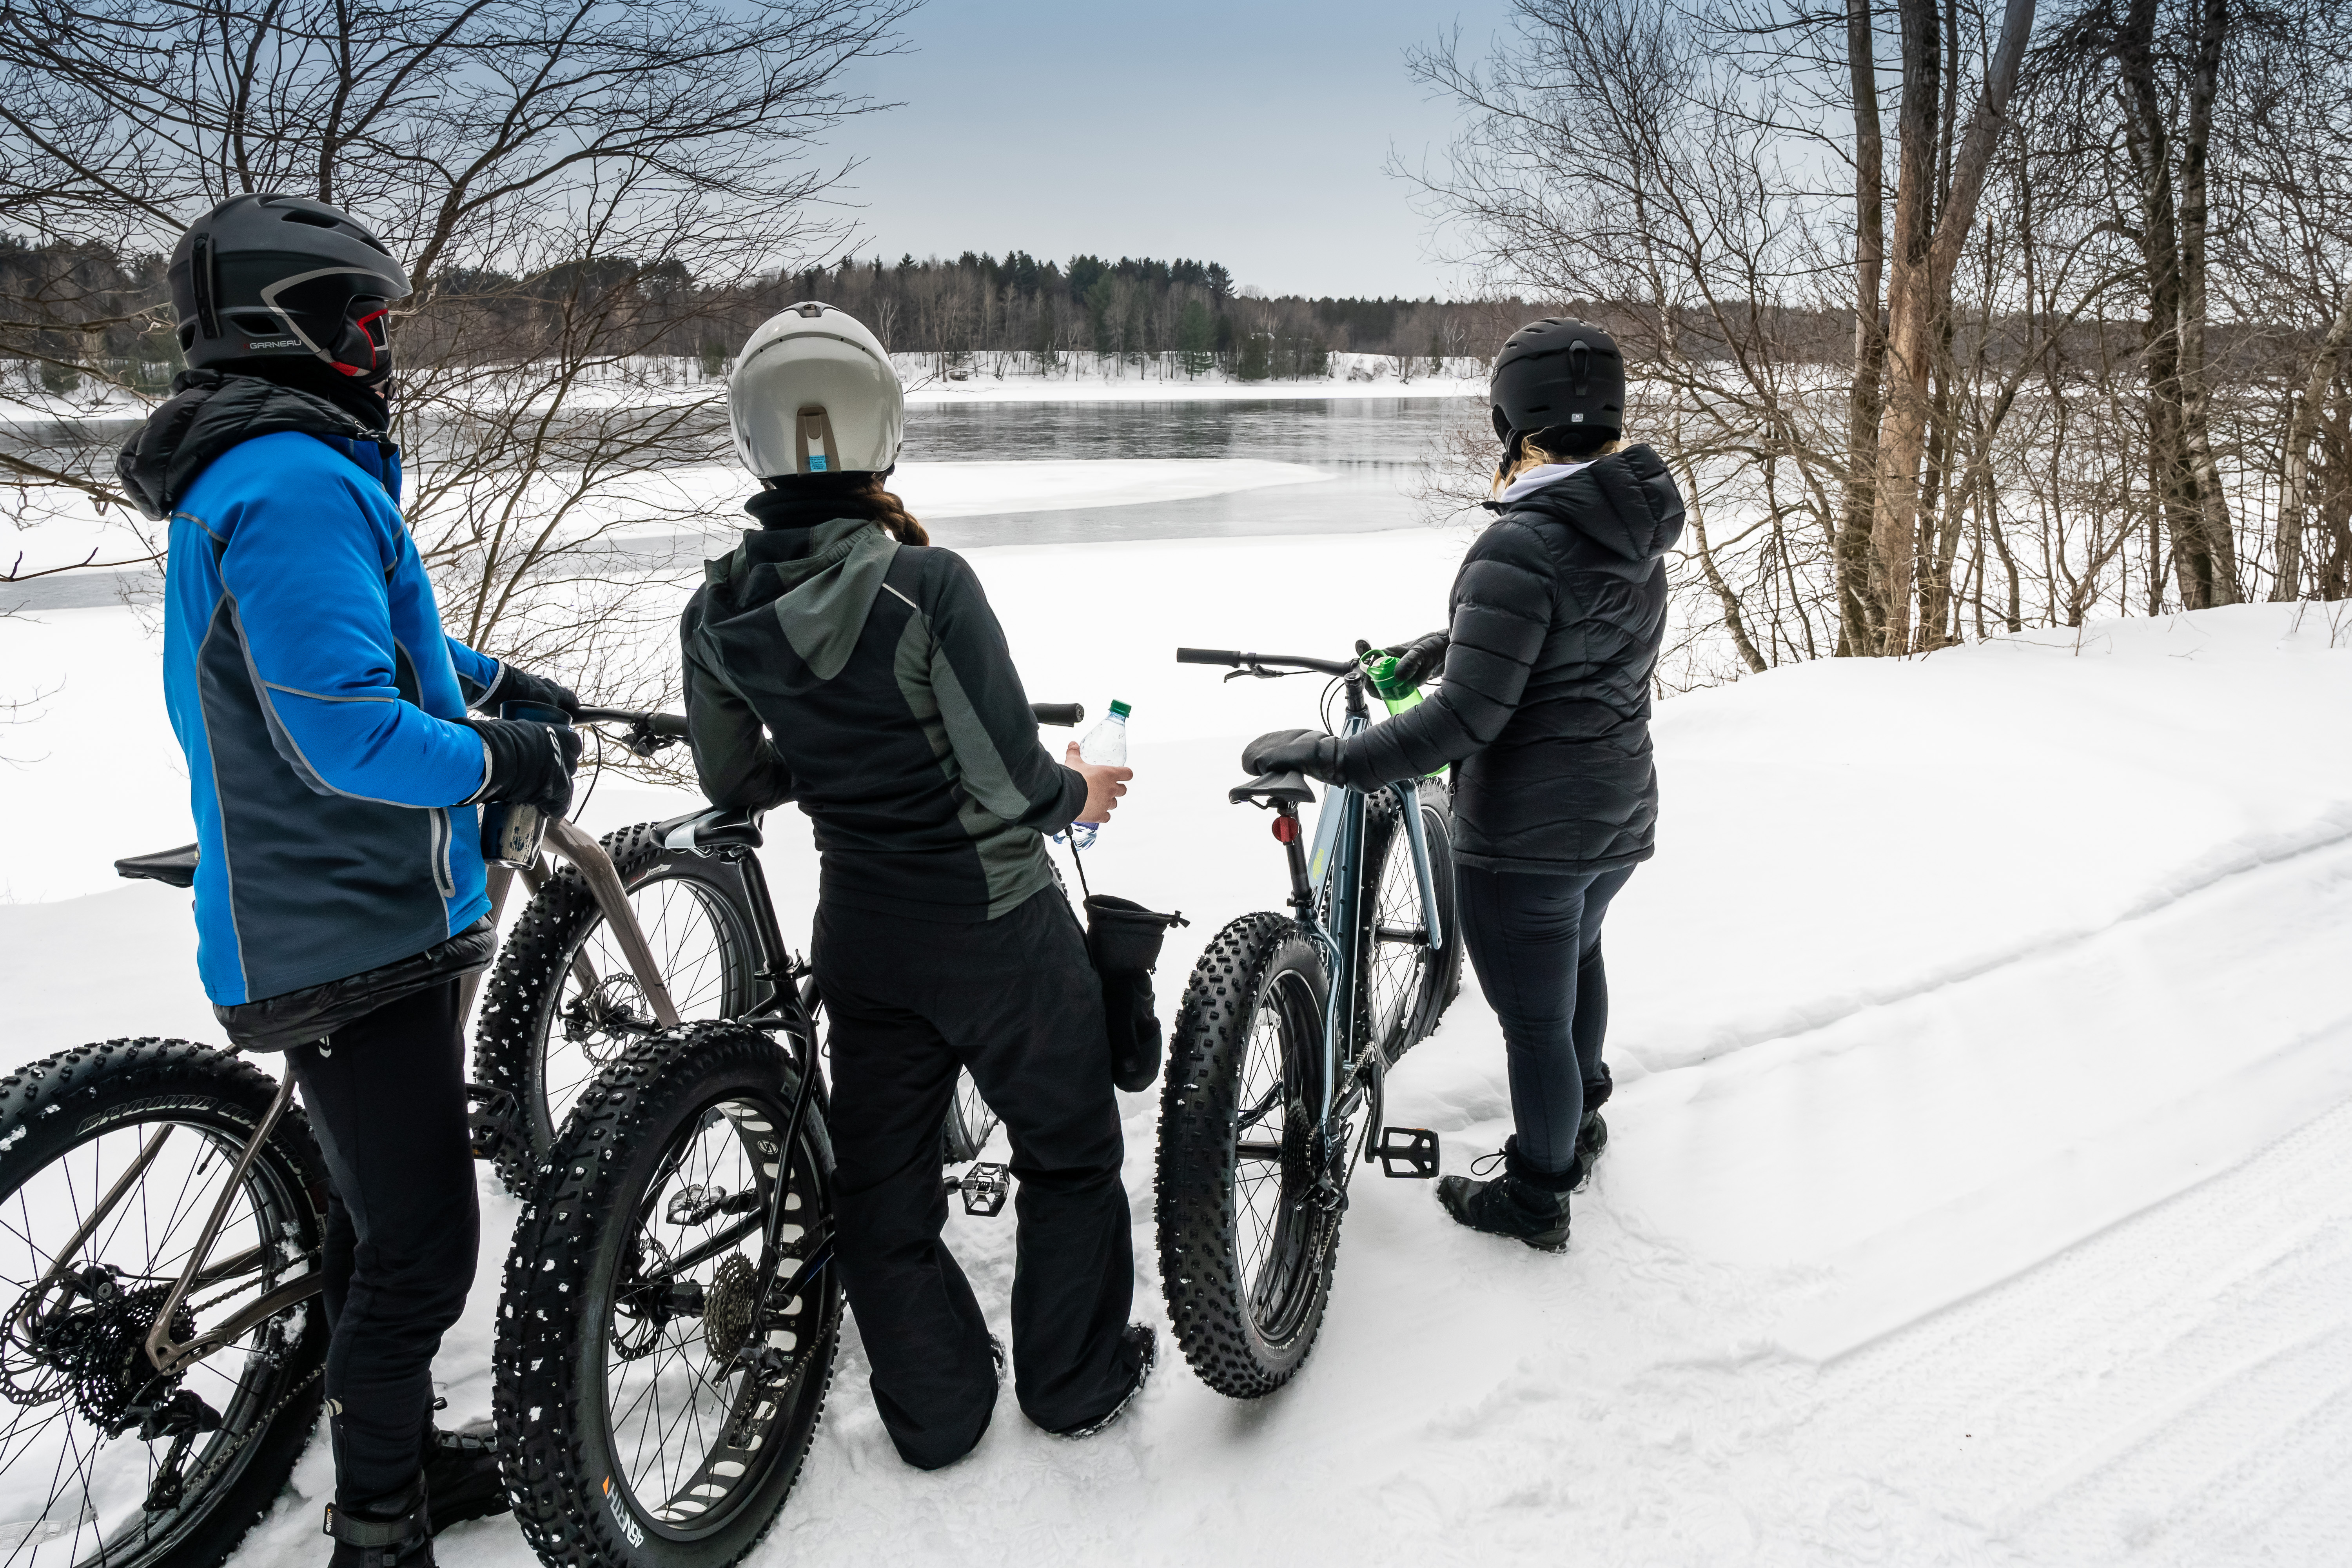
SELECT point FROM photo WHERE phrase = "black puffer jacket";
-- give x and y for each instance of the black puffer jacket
(1558, 614)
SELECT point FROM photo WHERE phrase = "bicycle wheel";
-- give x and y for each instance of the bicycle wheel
(562, 1002)
(79, 1482)
(1406, 986)
(969, 1123)
(1245, 1260)
(648, 1414)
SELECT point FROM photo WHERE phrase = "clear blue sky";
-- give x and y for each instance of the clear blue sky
(1251, 134)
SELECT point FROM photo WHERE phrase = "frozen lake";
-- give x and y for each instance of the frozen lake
(1008, 473)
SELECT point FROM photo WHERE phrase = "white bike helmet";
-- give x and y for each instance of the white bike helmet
(814, 393)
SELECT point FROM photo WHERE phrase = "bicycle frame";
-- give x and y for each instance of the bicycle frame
(595, 867)
(1330, 876)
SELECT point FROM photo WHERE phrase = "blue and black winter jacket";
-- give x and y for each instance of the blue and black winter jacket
(313, 691)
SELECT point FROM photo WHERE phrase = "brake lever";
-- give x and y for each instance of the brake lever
(643, 742)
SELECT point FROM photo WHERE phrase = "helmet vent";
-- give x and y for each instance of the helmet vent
(316, 220)
(812, 309)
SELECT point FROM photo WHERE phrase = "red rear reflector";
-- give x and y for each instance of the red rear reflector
(1286, 829)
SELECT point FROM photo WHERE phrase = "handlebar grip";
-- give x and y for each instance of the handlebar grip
(1230, 657)
(1061, 715)
(669, 726)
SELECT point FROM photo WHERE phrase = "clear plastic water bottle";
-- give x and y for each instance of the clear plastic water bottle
(1105, 747)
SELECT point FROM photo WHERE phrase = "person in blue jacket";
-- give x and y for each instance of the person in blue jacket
(333, 773)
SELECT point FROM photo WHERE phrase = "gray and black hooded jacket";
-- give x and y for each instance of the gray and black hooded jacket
(892, 712)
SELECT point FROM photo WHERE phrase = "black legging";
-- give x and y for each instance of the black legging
(386, 1097)
(1535, 940)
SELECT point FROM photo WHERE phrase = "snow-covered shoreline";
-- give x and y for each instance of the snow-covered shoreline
(1981, 1181)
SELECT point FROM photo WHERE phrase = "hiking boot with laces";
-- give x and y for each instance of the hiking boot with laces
(1523, 1203)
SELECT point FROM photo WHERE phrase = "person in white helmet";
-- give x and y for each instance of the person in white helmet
(837, 659)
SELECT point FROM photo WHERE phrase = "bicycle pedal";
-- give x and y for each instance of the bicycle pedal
(491, 1125)
(985, 1188)
(1409, 1152)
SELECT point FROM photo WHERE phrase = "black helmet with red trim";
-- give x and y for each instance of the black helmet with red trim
(278, 277)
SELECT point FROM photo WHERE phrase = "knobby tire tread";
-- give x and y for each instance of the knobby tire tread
(527, 983)
(43, 1106)
(537, 1403)
(1194, 1201)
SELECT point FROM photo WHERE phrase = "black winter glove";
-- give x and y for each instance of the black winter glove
(518, 685)
(529, 763)
(1419, 660)
(1309, 752)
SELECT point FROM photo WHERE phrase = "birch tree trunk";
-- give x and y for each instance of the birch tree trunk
(2212, 24)
(1858, 632)
(1919, 288)
(2295, 495)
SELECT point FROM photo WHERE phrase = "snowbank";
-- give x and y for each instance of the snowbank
(1981, 1187)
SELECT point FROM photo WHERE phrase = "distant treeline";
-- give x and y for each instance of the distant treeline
(1191, 309)
(84, 305)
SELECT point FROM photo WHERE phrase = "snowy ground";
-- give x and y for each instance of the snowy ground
(1981, 1187)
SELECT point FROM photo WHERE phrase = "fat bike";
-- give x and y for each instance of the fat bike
(1290, 1023)
(668, 1320)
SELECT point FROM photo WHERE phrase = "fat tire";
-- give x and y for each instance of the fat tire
(553, 1447)
(51, 1106)
(1194, 1204)
(526, 987)
(1439, 980)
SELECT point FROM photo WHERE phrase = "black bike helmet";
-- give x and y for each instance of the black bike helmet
(1558, 374)
(269, 277)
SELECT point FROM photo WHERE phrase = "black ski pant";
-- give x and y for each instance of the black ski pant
(1015, 1001)
(1535, 940)
(386, 1097)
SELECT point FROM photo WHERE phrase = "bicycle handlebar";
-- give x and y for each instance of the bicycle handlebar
(672, 726)
(667, 726)
(1262, 661)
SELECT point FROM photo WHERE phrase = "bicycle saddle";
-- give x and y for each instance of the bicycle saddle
(1273, 789)
(710, 830)
(172, 868)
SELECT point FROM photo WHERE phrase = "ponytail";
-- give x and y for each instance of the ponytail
(891, 512)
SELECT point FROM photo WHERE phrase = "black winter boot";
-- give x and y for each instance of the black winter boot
(461, 1475)
(1523, 1203)
(397, 1533)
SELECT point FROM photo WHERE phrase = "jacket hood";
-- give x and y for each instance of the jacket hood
(818, 582)
(207, 413)
(1627, 503)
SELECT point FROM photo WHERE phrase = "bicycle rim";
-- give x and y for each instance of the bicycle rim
(71, 1491)
(687, 1421)
(1396, 950)
(1279, 1240)
(705, 958)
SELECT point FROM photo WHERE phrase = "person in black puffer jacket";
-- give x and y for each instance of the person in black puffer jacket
(1557, 613)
